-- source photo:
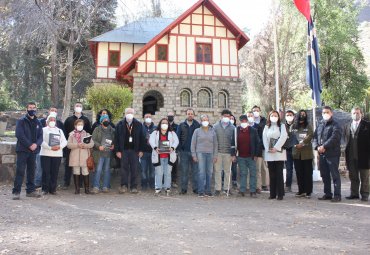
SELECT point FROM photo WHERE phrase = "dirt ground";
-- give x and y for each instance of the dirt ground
(145, 224)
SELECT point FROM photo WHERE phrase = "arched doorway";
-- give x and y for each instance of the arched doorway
(152, 102)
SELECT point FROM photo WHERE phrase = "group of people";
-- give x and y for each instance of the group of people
(259, 147)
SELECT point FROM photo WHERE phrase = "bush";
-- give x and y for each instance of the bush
(111, 96)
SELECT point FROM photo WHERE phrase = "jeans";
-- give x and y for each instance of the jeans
(186, 162)
(50, 170)
(205, 165)
(164, 169)
(38, 171)
(25, 160)
(129, 167)
(246, 164)
(329, 168)
(147, 170)
(289, 167)
(103, 166)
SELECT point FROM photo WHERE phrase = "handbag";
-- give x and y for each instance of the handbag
(90, 162)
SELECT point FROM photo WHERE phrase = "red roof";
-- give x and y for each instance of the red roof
(212, 7)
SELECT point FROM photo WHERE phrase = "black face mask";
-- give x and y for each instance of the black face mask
(302, 118)
(105, 123)
(170, 118)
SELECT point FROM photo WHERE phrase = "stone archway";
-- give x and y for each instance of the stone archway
(152, 101)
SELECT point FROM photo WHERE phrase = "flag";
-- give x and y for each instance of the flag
(304, 7)
(312, 68)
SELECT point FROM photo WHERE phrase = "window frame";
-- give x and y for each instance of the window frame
(109, 58)
(223, 92)
(157, 51)
(190, 97)
(203, 58)
(210, 98)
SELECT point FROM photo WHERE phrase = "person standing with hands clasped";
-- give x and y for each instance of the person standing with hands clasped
(164, 142)
(274, 136)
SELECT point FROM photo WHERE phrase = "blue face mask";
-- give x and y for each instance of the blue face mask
(31, 112)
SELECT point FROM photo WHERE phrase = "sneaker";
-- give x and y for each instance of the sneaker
(300, 194)
(265, 188)
(105, 190)
(325, 197)
(134, 191)
(168, 192)
(209, 195)
(95, 191)
(33, 194)
(242, 194)
(16, 196)
(288, 189)
(122, 190)
(308, 196)
(253, 194)
(336, 199)
(157, 192)
(201, 195)
(217, 193)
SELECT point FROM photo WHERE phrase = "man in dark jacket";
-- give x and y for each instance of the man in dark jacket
(147, 168)
(326, 141)
(185, 133)
(171, 120)
(245, 146)
(29, 139)
(69, 126)
(357, 137)
(129, 142)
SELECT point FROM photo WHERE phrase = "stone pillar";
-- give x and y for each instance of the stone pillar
(7, 161)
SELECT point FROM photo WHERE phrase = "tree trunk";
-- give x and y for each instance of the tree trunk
(54, 75)
(68, 86)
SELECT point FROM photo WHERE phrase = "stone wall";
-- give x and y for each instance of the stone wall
(7, 161)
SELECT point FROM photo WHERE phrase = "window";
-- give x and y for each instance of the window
(204, 53)
(113, 58)
(223, 99)
(205, 98)
(185, 98)
(162, 52)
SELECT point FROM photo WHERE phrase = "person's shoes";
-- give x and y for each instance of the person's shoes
(253, 194)
(168, 192)
(86, 181)
(134, 191)
(76, 181)
(201, 195)
(225, 192)
(258, 191)
(300, 194)
(38, 187)
(288, 189)
(336, 199)
(65, 187)
(325, 197)
(95, 191)
(242, 194)
(265, 188)
(279, 198)
(352, 197)
(195, 191)
(44, 193)
(217, 193)
(16, 196)
(157, 192)
(174, 185)
(122, 190)
(105, 190)
(33, 194)
(365, 199)
(183, 192)
(235, 185)
(54, 193)
(209, 195)
(272, 197)
(308, 196)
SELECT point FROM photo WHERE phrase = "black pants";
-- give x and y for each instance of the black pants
(276, 178)
(304, 169)
(67, 169)
(358, 176)
(174, 170)
(129, 167)
(25, 160)
(50, 170)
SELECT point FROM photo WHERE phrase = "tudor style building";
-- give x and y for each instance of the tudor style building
(175, 64)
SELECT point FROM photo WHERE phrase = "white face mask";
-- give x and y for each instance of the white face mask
(52, 124)
(251, 120)
(129, 116)
(53, 114)
(79, 128)
(205, 123)
(256, 114)
(326, 116)
(225, 120)
(232, 121)
(355, 117)
(148, 120)
(164, 126)
(274, 119)
(78, 109)
(244, 124)
(289, 118)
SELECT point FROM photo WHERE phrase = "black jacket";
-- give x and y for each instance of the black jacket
(146, 133)
(185, 134)
(328, 134)
(69, 124)
(28, 131)
(137, 133)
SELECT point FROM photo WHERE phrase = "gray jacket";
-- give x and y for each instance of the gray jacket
(225, 137)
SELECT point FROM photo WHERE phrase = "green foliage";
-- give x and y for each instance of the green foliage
(111, 96)
(6, 103)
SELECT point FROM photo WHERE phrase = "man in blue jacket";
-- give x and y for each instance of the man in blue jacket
(29, 138)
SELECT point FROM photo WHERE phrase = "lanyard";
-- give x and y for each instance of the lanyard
(129, 128)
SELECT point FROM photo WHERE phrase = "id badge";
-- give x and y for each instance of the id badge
(130, 139)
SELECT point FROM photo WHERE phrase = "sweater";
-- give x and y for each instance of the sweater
(204, 142)
(46, 149)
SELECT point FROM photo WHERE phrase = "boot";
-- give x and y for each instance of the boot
(76, 179)
(87, 184)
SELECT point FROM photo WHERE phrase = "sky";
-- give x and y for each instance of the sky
(249, 15)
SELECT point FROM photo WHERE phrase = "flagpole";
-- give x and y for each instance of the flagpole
(277, 97)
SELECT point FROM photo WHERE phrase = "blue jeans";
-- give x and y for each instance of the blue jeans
(289, 167)
(186, 162)
(25, 160)
(329, 168)
(147, 170)
(205, 165)
(163, 170)
(103, 165)
(246, 164)
(38, 172)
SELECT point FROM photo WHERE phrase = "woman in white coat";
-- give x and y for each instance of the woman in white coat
(274, 136)
(163, 142)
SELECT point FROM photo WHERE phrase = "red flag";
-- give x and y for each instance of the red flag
(304, 7)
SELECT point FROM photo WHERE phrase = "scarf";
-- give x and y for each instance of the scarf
(77, 135)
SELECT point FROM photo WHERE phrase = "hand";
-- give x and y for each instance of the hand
(33, 147)
(171, 150)
(233, 158)
(273, 150)
(157, 150)
(299, 146)
(101, 148)
(321, 149)
(195, 159)
(112, 148)
(55, 148)
(214, 160)
(140, 154)
(80, 145)
(119, 155)
(255, 158)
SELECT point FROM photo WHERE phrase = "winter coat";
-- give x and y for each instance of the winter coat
(274, 132)
(46, 149)
(185, 134)
(154, 143)
(306, 152)
(97, 138)
(77, 156)
(26, 135)
(69, 124)
(328, 134)
(137, 134)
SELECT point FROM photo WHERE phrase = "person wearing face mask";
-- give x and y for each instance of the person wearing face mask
(171, 119)
(274, 136)
(128, 146)
(29, 138)
(327, 139)
(357, 137)
(204, 149)
(262, 170)
(303, 155)
(103, 137)
(147, 168)
(100, 113)
(69, 126)
(78, 155)
(51, 154)
(225, 134)
(163, 157)
(246, 144)
(289, 143)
